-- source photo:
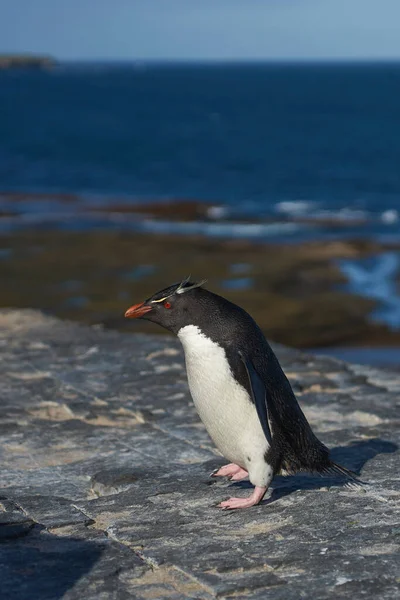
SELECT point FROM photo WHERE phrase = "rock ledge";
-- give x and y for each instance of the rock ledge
(105, 487)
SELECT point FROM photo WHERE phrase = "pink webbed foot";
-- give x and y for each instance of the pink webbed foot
(256, 497)
(227, 470)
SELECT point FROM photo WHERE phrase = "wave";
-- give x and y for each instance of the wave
(295, 207)
(314, 211)
(286, 220)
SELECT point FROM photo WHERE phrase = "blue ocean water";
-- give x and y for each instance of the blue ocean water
(284, 142)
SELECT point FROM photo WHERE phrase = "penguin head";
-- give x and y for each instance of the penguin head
(172, 308)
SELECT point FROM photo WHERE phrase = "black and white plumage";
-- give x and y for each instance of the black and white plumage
(239, 389)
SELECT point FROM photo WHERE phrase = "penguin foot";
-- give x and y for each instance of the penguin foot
(241, 474)
(227, 470)
(256, 497)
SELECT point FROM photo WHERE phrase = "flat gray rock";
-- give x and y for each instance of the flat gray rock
(105, 489)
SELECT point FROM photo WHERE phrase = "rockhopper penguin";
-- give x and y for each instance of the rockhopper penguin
(239, 389)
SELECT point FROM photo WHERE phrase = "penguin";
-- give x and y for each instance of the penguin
(239, 389)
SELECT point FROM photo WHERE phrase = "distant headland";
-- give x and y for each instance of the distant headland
(26, 61)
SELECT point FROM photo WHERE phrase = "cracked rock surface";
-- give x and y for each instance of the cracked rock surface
(105, 489)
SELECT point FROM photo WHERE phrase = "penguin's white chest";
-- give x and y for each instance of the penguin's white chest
(223, 404)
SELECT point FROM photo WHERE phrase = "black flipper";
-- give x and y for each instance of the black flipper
(294, 440)
(259, 394)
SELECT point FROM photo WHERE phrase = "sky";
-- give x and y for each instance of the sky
(202, 29)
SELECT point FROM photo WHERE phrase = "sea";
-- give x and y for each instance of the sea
(319, 141)
(280, 152)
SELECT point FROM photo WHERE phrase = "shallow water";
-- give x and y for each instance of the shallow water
(376, 277)
(377, 357)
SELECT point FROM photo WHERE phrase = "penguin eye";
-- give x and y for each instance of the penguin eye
(167, 305)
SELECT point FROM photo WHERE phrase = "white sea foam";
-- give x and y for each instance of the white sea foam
(217, 212)
(295, 207)
(228, 229)
(390, 216)
(310, 210)
(313, 211)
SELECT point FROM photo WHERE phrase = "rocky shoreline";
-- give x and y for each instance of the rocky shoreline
(296, 292)
(105, 478)
(86, 259)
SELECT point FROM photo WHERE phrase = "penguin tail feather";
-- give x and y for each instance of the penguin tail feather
(335, 469)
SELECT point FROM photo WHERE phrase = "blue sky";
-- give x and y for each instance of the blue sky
(202, 29)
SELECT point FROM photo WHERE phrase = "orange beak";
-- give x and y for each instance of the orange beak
(137, 310)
